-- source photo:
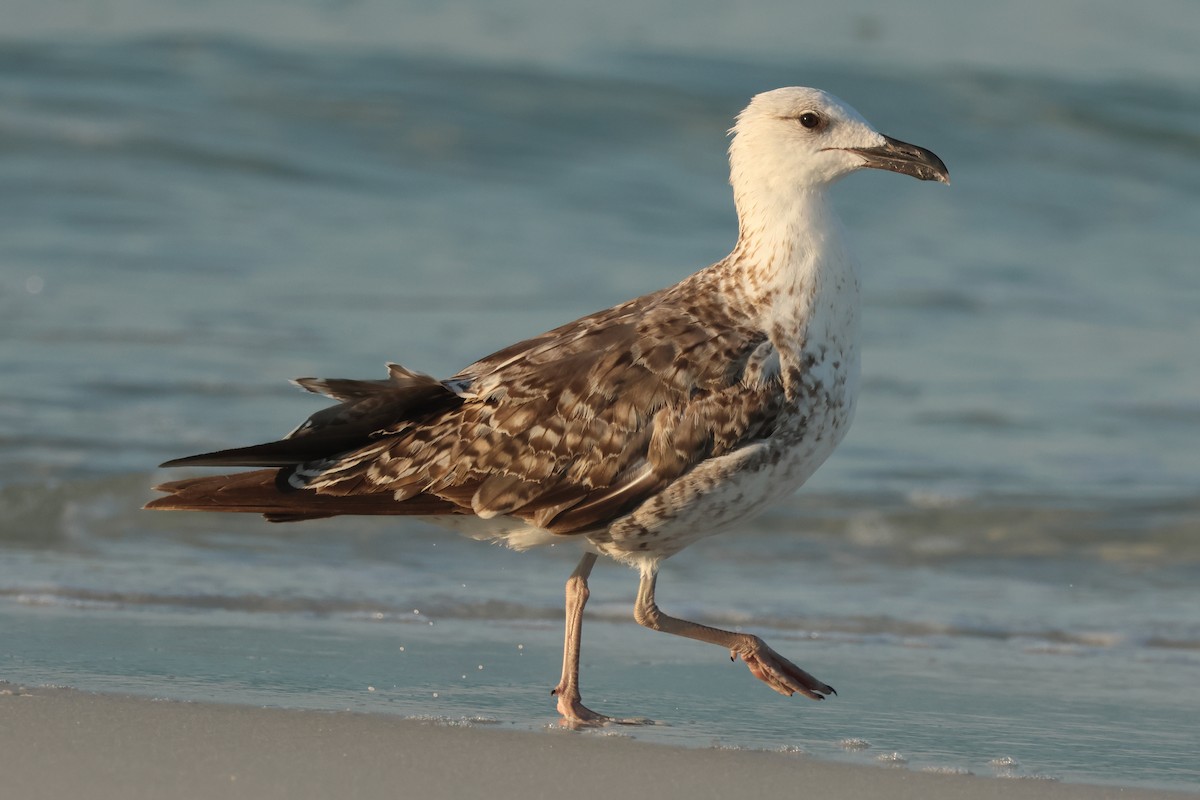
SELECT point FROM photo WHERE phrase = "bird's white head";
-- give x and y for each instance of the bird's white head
(796, 139)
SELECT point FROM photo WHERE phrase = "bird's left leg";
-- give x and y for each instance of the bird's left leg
(570, 705)
(567, 691)
(768, 666)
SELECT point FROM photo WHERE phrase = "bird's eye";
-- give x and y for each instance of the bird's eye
(810, 119)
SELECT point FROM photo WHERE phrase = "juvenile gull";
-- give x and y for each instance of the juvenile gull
(636, 430)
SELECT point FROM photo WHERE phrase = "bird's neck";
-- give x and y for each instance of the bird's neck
(790, 268)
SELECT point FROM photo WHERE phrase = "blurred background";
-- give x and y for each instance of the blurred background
(999, 569)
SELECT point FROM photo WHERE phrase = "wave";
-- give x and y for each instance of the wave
(876, 629)
(923, 527)
(320, 109)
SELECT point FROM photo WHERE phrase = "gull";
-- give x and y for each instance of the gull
(633, 431)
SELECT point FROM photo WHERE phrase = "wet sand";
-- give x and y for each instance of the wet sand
(57, 743)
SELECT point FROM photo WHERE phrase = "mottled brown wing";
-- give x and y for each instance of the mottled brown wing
(576, 427)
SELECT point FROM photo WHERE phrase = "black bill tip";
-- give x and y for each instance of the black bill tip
(905, 158)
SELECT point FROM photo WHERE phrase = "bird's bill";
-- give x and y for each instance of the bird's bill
(905, 158)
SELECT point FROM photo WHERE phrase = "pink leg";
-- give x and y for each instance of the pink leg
(765, 664)
(567, 691)
(569, 704)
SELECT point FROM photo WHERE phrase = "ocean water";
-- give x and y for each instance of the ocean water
(1000, 568)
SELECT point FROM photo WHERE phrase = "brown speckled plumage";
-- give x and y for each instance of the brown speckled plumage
(570, 430)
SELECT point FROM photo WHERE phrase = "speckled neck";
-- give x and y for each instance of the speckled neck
(789, 266)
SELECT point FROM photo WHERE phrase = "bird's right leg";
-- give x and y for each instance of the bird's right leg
(768, 666)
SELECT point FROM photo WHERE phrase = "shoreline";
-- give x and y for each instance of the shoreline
(59, 742)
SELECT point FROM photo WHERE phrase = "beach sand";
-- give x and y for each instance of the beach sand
(58, 743)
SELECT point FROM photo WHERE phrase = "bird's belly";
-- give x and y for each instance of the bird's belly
(720, 492)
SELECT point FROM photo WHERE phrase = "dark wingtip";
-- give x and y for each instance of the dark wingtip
(198, 460)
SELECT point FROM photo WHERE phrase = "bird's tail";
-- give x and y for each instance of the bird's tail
(266, 492)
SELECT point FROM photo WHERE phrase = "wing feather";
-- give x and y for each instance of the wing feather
(567, 431)
(573, 428)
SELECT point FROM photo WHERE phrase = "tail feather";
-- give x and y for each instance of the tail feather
(262, 492)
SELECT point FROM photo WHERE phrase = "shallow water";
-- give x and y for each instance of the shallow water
(1000, 563)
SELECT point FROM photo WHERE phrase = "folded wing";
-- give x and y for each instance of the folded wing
(566, 431)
